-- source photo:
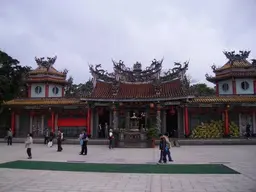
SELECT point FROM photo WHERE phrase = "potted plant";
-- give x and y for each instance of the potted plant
(152, 134)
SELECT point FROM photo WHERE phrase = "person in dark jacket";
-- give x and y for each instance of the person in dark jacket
(59, 141)
(248, 131)
(9, 137)
(84, 139)
(46, 136)
(163, 149)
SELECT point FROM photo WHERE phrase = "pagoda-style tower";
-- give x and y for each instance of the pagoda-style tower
(45, 80)
(236, 77)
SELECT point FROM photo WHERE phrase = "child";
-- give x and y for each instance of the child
(163, 148)
(28, 145)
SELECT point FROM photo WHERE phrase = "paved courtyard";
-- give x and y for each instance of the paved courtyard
(239, 158)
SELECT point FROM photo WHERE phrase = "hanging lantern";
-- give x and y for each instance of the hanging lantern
(152, 105)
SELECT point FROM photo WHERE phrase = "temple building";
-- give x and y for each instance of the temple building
(234, 102)
(133, 100)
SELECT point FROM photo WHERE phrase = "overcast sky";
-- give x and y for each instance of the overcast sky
(95, 31)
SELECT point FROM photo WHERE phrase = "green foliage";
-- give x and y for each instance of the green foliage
(12, 85)
(12, 77)
(201, 89)
(78, 90)
(152, 133)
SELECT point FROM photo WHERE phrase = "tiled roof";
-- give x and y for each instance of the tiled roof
(173, 89)
(46, 79)
(43, 101)
(235, 64)
(225, 99)
(230, 74)
(43, 70)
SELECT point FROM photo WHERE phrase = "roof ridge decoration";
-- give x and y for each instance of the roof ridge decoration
(232, 58)
(243, 55)
(46, 63)
(137, 74)
(254, 62)
(157, 86)
(115, 87)
(237, 66)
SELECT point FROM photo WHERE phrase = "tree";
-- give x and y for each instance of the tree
(12, 85)
(12, 77)
(201, 89)
(78, 90)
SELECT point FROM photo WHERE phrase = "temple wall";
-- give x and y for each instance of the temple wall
(240, 90)
(33, 90)
(227, 92)
(58, 93)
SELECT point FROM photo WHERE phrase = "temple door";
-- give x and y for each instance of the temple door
(244, 119)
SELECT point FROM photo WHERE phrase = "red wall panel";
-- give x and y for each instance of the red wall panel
(70, 122)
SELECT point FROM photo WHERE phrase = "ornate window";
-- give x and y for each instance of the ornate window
(55, 90)
(225, 87)
(245, 85)
(38, 89)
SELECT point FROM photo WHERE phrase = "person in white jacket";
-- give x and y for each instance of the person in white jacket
(111, 138)
(28, 145)
(166, 136)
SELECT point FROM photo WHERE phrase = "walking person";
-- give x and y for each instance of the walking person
(248, 131)
(168, 146)
(111, 139)
(28, 145)
(51, 137)
(9, 137)
(162, 148)
(46, 136)
(59, 141)
(83, 142)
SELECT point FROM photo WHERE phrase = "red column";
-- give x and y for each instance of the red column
(13, 123)
(217, 89)
(186, 120)
(53, 123)
(29, 91)
(234, 86)
(226, 122)
(88, 121)
(46, 90)
(254, 82)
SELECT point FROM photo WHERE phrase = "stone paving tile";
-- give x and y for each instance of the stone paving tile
(240, 158)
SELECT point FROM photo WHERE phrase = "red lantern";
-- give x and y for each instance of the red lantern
(152, 105)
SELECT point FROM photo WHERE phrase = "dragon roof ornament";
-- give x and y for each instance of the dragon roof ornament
(47, 63)
(137, 74)
(232, 56)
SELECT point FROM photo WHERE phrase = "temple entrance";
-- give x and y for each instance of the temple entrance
(104, 123)
(172, 122)
(245, 119)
